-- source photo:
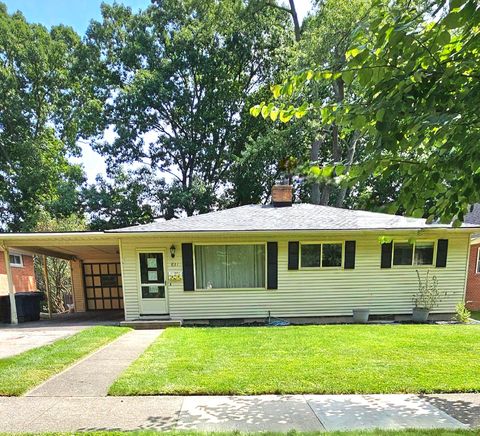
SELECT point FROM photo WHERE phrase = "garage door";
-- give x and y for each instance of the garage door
(103, 286)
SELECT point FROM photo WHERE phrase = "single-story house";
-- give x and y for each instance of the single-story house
(23, 274)
(283, 259)
(472, 295)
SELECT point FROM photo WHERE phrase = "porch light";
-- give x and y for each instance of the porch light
(172, 251)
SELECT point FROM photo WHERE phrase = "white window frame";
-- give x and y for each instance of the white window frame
(327, 268)
(434, 242)
(16, 265)
(229, 289)
(477, 271)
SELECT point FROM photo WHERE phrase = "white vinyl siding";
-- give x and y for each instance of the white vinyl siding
(303, 292)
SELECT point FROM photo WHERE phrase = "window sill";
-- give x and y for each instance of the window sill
(231, 289)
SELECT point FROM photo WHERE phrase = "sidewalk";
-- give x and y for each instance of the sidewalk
(222, 413)
(92, 376)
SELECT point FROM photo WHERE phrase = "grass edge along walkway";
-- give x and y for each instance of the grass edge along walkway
(405, 432)
(22, 372)
(323, 359)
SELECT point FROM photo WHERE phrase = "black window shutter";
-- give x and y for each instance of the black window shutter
(272, 265)
(349, 255)
(386, 255)
(187, 261)
(442, 251)
(293, 248)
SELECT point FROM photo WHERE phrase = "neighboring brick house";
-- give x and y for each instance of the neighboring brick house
(22, 272)
(472, 295)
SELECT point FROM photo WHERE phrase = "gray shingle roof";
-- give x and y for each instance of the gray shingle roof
(297, 217)
(473, 217)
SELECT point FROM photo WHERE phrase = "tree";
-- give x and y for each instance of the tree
(179, 74)
(130, 198)
(41, 106)
(415, 65)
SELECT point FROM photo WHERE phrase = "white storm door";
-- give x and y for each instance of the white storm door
(153, 290)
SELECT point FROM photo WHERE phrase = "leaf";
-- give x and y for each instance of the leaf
(353, 52)
(255, 110)
(417, 213)
(276, 90)
(265, 111)
(274, 113)
(444, 37)
(285, 116)
(380, 114)
(347, 76)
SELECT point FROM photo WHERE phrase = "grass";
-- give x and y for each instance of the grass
(307, 359)
(20, 373)
(475, 315)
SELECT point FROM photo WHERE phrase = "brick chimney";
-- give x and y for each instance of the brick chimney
(281, 195)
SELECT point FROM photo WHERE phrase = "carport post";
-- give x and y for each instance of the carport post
(11, 291)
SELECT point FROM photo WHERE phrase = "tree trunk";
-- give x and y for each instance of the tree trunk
(315, 194)
(350, 155)
(296, 24)
(339, 91)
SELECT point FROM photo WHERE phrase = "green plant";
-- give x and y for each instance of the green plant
(428, 295)
(462, 313)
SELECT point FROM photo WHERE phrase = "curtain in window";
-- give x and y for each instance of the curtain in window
(230, 266)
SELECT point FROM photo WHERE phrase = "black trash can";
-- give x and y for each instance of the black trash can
(5, 309)
(28, 305)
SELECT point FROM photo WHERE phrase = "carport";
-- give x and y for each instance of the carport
(94, 261)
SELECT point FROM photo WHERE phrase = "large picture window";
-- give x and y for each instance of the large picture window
(230, 266)
(325, 255)
(417, 253)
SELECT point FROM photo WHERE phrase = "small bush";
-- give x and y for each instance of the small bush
(462, 313)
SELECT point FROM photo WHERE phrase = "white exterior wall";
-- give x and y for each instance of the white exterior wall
(301, 293)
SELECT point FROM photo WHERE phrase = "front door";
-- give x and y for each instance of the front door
(153, 291)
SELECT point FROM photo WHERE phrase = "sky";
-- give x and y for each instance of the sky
(78, 13)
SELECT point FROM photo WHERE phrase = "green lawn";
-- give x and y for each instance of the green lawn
(22, 372)
(308, 359)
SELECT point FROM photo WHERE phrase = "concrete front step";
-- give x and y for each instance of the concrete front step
(147, 324)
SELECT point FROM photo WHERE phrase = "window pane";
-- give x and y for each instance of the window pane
(311, 255)
(151, 268)
(245, 266)
(15, 259)
(424, 253)
(402, 253)
(229, 266)
(153, 291)
(478, 260)
(332, 255)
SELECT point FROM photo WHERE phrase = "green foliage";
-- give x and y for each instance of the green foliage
(462, 313)
(176, 77)
(39, 120)
(417, 105)
(428, 295)
(129, 198)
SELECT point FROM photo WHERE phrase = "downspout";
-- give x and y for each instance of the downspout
(11, 290)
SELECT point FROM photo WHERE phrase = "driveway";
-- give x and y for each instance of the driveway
(15, 339)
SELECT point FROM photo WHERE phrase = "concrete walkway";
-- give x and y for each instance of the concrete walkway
(221, 413)
(92, 376)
